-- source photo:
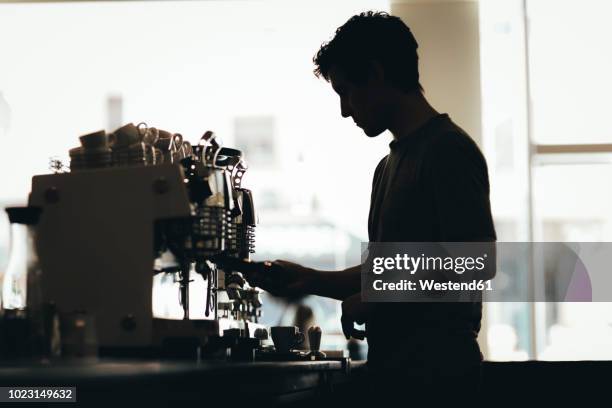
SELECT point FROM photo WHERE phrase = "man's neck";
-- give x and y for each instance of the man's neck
(413, 111)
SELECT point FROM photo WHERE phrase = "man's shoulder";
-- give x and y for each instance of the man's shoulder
(381, 164)
(450, 142)
(379, 169)
(447, 134)
(450, 150)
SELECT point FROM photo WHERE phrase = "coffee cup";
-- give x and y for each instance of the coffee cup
(127, 135)
(95, 140)
(286, 338)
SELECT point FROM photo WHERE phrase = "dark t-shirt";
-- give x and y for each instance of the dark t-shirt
(433, 186)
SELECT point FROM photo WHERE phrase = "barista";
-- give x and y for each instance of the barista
(433, 186)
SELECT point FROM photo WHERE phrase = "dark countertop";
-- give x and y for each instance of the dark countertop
(164, 383)
(117, 369)
(154, 383)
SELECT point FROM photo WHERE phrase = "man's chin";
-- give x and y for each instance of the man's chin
(372, 132)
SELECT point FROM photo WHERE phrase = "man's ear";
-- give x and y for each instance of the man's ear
(376, 72)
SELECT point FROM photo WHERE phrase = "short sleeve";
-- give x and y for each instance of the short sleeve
(460, 187)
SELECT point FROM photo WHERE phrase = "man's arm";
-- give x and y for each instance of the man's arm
(291, 280)
(338, 284)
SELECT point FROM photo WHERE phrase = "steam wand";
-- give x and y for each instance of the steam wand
(184, 288)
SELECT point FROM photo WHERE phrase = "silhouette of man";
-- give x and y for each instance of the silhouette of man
(433, 186)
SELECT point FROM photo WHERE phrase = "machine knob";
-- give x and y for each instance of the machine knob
(161, 186)
(128, 322)
(236, 280)
(52, 195)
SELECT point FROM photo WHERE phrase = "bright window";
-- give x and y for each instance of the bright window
(546, 137)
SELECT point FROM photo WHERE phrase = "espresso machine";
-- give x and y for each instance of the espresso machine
(139, 206)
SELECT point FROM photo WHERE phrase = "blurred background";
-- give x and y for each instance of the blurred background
(528, 79)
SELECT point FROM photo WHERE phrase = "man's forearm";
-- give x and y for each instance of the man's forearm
(337, 284)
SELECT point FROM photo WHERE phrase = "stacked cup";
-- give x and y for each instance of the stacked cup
(93, 153)
(128, 148)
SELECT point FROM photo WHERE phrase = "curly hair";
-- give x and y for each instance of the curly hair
(372, 36)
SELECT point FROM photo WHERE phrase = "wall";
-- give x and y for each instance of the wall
(448, 37)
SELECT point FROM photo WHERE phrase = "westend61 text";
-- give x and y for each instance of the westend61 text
(429, 285)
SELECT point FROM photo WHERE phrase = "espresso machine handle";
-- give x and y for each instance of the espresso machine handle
(248, 208)
(230, 153)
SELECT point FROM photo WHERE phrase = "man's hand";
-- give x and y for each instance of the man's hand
(354, 311)
(282, 278)
(288, 279)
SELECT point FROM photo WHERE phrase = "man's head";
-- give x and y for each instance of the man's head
(370, 61)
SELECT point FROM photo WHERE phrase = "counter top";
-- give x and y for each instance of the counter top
(116, 369)
(167, 383)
